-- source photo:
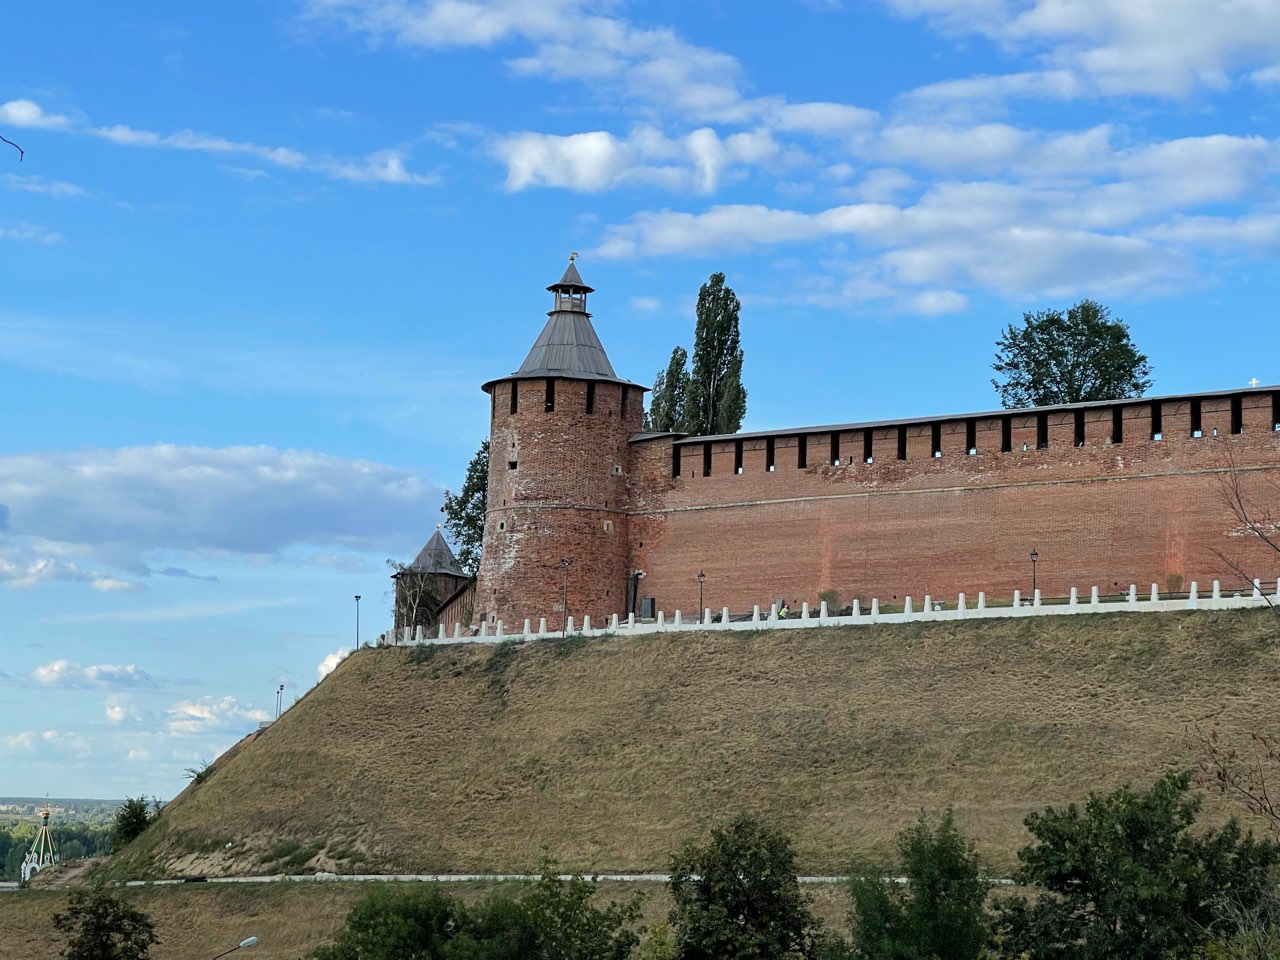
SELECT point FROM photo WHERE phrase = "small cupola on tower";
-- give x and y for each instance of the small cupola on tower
(571, 292)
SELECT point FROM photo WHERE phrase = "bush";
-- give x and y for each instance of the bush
(939, 914)
(99, 925)
(133, 816)
(737, 897)
(1125, 877)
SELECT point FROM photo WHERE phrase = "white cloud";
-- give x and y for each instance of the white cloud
(113, 507)
(46, 740)
(27, 113)
(1119, 47)
(58, 189)
(211, 714)
(29, 231)
(596, 161)
(330, 663)
(66, 673)
(119, 711)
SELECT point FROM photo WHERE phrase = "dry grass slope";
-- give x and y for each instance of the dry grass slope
(607, 754)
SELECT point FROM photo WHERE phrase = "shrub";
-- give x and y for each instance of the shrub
(99, 924)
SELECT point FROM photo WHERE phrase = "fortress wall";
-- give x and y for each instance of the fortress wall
(1100, 513)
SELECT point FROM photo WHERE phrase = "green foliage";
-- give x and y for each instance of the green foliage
(396, 925)
(98, 925)
(569, 927)
(554, 920)
(670, 389)
(133, 816)
(711, 399)
(1125, 877)
(464, 511)
(200, 774)
(831, 597)
(939, 913)
(737, 898)
(659, 945)
(1082, 356)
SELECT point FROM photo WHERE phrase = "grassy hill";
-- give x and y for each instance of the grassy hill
(607, 754)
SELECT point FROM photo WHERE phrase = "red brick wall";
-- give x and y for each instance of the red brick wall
(1097, 513)
(566, 498)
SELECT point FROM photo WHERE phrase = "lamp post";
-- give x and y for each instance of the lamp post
(279, 699)
(701, 578)
(357, 621)
(1034, 557)
(564, 600)
(244, 944)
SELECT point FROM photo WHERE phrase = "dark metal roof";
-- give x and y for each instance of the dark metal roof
(571, 281)
(567, 346)
(951, 417)
(436, 557)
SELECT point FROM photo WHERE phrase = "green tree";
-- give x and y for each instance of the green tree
(464, 511)
(939, 914)
(99, 925)
(711, 399)
(1126, 877)
(670, 390)
(737, 897)
(396, 925)
(1082, 356)
(133, 816)
(717, 400)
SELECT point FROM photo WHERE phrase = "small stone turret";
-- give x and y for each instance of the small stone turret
(556, 526)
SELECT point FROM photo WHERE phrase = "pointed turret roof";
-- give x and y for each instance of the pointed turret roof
(567, 346)
(436, 557)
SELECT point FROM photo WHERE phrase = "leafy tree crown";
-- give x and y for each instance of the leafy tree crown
(464, 511)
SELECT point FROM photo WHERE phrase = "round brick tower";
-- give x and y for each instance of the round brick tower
(556, 526)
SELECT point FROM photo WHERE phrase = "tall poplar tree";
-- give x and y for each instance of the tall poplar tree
(464, 511)
(711, 399)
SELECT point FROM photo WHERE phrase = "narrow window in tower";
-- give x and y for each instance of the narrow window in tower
(1079, 431)
(515, 395)
(866, 447)
(1275, 411)
(1237, 415)
(706, 459)
(1006, 434)
(802, 452)
(1042, 431)
(591, 397)
(902, 442)
(936, 440)
(1117, 424)
(1157, 421)
(768, 453)
(835, 449)
(511, 464)
(971, 436)
(737, 456)
(551, 394)
(622, 407)
(675, 461)
(1197, 419)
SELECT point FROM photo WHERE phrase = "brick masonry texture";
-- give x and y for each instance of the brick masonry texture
(1107, 495)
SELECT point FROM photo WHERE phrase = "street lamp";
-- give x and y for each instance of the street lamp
(564, 600)
(1034, 557)
(701, 577)
(357, 621)
(244, 944)
(279, 699)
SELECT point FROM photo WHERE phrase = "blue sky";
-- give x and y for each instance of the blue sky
(259, 257)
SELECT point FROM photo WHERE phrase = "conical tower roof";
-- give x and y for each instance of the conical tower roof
(567, 346)
(436, 557)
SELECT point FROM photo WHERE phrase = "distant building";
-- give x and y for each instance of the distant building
(589, 515)
(424, 586)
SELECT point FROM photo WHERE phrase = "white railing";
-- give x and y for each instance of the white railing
(930, 610)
